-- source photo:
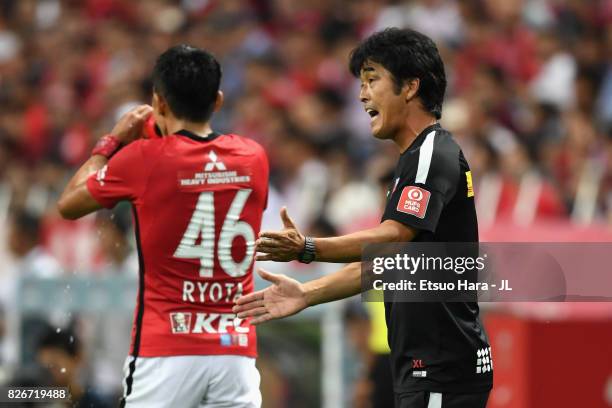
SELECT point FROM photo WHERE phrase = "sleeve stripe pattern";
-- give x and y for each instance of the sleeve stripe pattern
(425, 154)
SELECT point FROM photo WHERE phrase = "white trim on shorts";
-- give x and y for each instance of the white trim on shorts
(435, 400)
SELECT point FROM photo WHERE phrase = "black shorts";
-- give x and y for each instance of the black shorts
(426, 399)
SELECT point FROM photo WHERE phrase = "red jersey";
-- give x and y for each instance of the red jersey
(197, 204)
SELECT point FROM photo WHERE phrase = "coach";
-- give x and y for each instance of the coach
(440, 353)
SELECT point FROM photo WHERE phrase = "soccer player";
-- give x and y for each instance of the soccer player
(198, 198)
(440, 355)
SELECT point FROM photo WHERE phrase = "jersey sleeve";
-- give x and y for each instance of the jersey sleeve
(123, 178)
(419, 203)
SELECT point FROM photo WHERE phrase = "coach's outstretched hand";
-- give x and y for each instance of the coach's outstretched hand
(284, 298)
(280, 246)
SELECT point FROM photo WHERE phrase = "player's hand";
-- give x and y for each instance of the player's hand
(284, 298)
(129, 127)
(280, 246)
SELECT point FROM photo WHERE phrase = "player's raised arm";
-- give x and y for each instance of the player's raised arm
(286, 296)
(76, 200)
(289, 244)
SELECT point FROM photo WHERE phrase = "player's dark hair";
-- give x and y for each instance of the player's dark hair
(188, 78)
(406, 54)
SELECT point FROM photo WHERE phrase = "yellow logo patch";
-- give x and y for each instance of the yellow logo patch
(470, 187)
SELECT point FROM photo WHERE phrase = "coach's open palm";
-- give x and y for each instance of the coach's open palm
(284, 298)
(280, 246)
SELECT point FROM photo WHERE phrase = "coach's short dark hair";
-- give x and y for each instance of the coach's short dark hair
(188, 78)
(406, 54)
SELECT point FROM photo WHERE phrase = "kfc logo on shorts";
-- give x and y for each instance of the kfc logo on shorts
(181, 323)
(414, 201)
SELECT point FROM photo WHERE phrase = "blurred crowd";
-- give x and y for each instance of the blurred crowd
(529, 100)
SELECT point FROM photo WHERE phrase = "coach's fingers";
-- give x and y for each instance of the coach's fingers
(267, 257)
(269, 276)
(275, 252)
(287, 221)
(266, 245)
(273, 235)
(252, 312)
(251, 297)
(261, 319)
(247, 306)
(263, 257)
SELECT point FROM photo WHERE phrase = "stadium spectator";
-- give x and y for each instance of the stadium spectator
(60, 352)
(433, 344)
(31, 260)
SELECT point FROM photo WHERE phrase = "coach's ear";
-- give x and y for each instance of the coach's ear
(219, 101)
(411, 89)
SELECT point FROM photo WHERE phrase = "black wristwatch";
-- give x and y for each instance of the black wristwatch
(308, 253)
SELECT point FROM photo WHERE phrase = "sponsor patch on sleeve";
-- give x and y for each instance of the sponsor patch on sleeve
(414, 201)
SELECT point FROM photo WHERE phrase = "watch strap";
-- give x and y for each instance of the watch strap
(308, 253)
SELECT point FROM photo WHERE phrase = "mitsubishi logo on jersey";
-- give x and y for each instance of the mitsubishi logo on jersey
(215, 173)
(214, 164)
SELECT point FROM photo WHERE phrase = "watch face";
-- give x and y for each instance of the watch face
(305, 257)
